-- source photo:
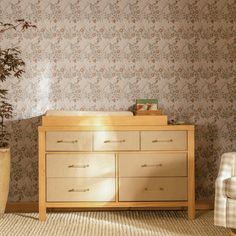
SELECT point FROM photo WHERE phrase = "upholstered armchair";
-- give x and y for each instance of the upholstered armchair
(225, 192)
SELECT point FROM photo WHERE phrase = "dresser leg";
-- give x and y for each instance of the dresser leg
(233, 232)
(42, 213)
(191, 212)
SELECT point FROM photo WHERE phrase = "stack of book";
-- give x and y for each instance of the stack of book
(147, 107)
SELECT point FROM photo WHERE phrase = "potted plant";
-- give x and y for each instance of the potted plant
(11, 64)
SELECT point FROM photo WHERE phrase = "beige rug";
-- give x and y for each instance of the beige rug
(120, 223)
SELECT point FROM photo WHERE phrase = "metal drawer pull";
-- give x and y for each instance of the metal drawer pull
(78, 166)
(67, 141)
(158, 189)
(162, 140)
(115, 141)
(155, 165)
(78, 190)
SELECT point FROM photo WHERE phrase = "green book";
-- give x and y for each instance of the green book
(146, 101)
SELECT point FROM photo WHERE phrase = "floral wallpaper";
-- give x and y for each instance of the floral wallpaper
(102, 55)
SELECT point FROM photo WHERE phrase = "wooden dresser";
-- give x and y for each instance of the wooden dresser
(100, 162)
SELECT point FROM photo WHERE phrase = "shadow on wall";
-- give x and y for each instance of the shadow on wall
(208, 149)
(24, 159)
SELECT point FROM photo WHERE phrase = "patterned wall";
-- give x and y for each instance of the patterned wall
(102, 55)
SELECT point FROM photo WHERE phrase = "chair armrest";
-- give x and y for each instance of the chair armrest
(227, 165)
(226, 171)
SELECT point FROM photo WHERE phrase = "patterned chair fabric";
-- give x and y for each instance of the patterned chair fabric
(225, 192)
(230, 188)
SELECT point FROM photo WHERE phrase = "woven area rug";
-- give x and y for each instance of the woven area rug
(120, 223)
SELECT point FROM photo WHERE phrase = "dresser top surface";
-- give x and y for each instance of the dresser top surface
(87, 113)
(110, 123)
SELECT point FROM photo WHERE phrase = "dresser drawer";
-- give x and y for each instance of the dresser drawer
(80, 165)
(69, 141)
(80, 189)
(151, 165)
(153, 189)
(117, 140)
(163, 140)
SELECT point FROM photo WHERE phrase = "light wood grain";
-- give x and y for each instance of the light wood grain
(152, 164)
(42, 179)
(27, 207)
(103, 120)
(163, 140)
(116, 140)
(117, 177)
(116, 124)
(116, 205)
(115, 127)
(191, 176)
(153, 189)
(68, 141)
(80, 189)
(80, 165)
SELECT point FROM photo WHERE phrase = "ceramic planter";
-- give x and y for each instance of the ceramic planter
(4, 178)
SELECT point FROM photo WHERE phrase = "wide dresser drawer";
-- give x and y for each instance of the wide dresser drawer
(163, 140)
(80, 165)
(80, 189)
(116, 140)
(151, 165)
(153, 189)
(68, 141)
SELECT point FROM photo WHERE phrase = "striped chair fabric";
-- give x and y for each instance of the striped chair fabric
(225, 192)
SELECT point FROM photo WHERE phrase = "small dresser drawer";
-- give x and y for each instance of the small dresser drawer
(151, 165)
(69, 141)
(153, 189)
(80, 189)
(116, 140)
(163, 140)
(80, 165)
